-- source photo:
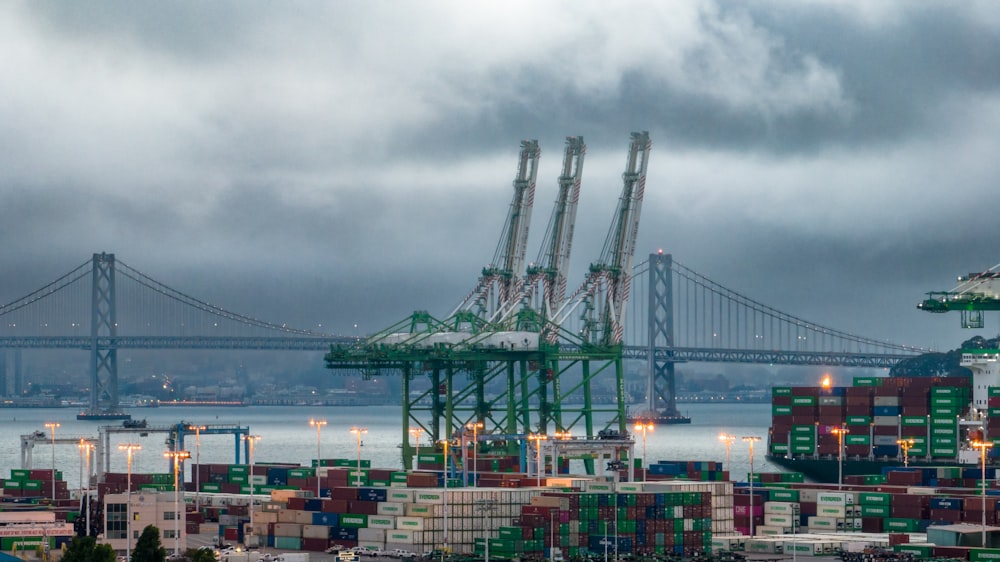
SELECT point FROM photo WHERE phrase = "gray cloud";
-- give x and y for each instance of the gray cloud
(349, 163)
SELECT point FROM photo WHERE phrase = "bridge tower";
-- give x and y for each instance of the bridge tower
(103, 334)
(661, 387)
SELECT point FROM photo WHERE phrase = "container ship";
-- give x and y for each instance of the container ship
(829, 432)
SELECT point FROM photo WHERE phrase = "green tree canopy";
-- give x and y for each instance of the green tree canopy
(148, 547)
(86, 549)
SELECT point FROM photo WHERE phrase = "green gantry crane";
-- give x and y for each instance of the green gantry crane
(975, 294)
(513, 330)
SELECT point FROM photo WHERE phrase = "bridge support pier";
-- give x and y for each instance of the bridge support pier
(661, 387)
(103, 331)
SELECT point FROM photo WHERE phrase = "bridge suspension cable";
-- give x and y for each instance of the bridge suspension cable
(183, 298)
(709, 315)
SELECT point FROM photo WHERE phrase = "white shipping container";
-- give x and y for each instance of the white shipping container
(399, 536)
(418, 510)
(885, 420)
(287, 530)
(781, 507)
(774, 520)
(821, 523)
(410, 523)
(315, 532)
(830, 510)
(371, 535)
(382, 521)
(401, 495)
(389, 508)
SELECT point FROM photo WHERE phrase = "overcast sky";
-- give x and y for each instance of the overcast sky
(350, 162)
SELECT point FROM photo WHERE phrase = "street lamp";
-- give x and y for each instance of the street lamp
(751, 439)
(728, 439)
(251, 441)
(197, 462)
(129, 449)
(444, 493)
(319, 455)
(85, 448)
(178, 456)
(905, 445)
(982, 446)
(475, 427)
(416, 432)
(840, 432)
(538, 438)
(53, 426)
(644, 427)
(359, 431)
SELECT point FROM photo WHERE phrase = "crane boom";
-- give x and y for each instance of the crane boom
(605, 291)
(501, 280)
(548, 274)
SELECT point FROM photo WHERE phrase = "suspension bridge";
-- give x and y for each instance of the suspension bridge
(518, 354)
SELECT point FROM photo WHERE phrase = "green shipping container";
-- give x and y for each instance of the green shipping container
(945, 401)
(984, 554)
(867, 381)
(9, 544)
(781, 410)
(938, 391)
(20, 474)
(898, 524)
(357, 521)
(803, 400)
(777, 495)
(921, 551)
(875, 511)
(874, 498)
(913, 421)
(857, 439)
(288, 543)
(805, 429)
(859, 420)
(781, 391)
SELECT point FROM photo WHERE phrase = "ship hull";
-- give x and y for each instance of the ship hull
(827, 470)
(103, 416)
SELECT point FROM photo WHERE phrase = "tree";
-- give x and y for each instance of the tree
(148, 547)
(86, 549)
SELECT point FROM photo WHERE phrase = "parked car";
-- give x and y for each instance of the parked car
(402, 554)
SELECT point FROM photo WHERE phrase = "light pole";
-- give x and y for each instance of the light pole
(85, 448)
(840, 432)
(728, 439)
(319, 455)
(197, 462)
(905, 445)
(251, 441)
(644, 427)
(178, 456)
(53, 426)
(359, 431)
(129, 449)
(751, 439)
(538, 438)
(475, 427)
(416, 432)
(982, 446)
(444, 493)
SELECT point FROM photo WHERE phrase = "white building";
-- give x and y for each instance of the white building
(144, 508)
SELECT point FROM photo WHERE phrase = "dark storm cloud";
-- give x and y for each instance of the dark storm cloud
(349, 163)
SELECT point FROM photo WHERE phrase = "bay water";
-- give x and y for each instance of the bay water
(287, 437)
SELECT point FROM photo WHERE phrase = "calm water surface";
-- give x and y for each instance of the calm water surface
(286, 436)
